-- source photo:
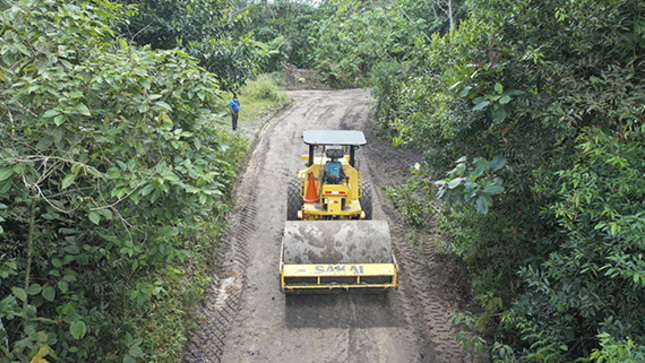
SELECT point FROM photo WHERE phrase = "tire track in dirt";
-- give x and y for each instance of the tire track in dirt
(224, 295)
(423, 304)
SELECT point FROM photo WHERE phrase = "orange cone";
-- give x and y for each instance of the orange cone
(312, 194)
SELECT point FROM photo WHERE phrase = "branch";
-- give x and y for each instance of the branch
(125, 196)
(140, 30)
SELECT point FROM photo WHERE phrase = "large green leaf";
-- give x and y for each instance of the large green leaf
(454, 183)
(34, 289)
(494, 189)
(49, 293)
(136, 351)
(81, 109)
(94, 217)
(498, 163)
(68, 180)
(19, 293)
(499, 113)
(5, 173)
(78, 329)
(51, 113)
(481, 105)
(482, 205)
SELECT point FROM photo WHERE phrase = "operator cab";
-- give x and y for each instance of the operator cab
(331, 187)
(334, 172)
(351, 139)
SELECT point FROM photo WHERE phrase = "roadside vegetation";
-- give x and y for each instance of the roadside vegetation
(261, 99)
(117, 160)
(116, 165)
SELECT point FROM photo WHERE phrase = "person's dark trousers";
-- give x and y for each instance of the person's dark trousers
(234, 114)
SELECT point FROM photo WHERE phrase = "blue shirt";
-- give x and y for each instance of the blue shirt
(334, 168)
(235, 105)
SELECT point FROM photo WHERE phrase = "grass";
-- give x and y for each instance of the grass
(259, 100)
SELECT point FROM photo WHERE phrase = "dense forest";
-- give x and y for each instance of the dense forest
(116, 170)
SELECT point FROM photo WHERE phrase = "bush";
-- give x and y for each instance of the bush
(557, 91)
(113, 183)
(263, 87)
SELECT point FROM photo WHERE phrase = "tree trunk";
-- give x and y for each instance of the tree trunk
(30, 248)
(450, 17)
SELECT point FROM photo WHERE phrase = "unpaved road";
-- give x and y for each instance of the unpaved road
(247, 319)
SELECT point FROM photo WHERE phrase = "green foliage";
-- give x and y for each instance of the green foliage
(411, 204)
(344, 39)
(624, 351)
(556, 89)
(357, 36)
(460, 186)
(277, 52)
(599, 265)
(286, 29)
(353, 39)
(233, 63)
(387, 78)
(208, 30)
(263, 87)
(468, 340)
(113, 179)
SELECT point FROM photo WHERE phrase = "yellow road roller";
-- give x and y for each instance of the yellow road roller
(330, 242)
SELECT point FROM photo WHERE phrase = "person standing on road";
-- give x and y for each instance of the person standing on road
(234, 105)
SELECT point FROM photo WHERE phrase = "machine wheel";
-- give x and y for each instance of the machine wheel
(366, 200)
(294, 202)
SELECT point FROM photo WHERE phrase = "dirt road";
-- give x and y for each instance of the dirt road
(247, 319)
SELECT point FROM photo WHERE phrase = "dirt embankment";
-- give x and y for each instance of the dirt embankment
(245, 317)
(301, 79)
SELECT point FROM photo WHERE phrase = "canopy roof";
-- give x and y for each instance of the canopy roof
(334, 137)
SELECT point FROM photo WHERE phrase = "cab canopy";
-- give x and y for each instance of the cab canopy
(352, 138)
(334, 137)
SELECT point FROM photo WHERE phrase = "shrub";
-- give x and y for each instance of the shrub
(113, 182)
(263, 87)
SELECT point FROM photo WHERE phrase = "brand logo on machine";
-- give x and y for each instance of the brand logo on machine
(356, 269)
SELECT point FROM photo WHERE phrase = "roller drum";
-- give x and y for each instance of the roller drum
(336, 242)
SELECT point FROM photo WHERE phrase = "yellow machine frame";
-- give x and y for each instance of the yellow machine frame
(322, 250)
(323, 277)
(338, 200)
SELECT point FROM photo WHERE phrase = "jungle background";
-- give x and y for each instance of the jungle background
(117, 163)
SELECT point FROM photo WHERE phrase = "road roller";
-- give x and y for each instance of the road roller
(330, 242)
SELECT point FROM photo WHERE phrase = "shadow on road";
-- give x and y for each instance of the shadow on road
(358, 311)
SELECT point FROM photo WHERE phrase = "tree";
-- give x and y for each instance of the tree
(554, 89)
(210, 31)
(296, 23)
